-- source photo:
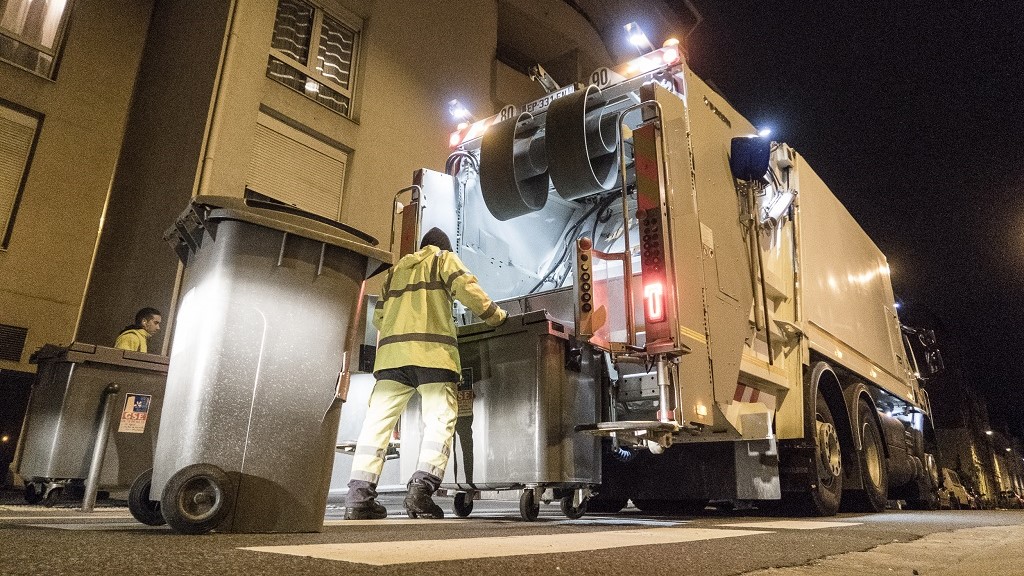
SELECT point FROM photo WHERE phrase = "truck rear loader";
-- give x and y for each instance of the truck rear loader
(734, 326)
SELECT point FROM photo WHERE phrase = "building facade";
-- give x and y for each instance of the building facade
(115, 113)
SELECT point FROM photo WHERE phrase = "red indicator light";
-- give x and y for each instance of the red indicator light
(654, 302)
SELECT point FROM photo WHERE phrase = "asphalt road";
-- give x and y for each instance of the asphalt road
(495, 541)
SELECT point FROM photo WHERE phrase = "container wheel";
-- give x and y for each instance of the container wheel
(463, 504)
(52, 496)
(529, 505)
(197, 499)
(33, 493)
(571, 510)
(139, 504)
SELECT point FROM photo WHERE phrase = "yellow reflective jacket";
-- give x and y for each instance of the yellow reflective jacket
(414, 313)
(133, 339)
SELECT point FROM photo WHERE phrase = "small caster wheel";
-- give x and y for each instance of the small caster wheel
(197, 499)
(139, 504)
(52, 496)
(529, 505)
(463, 504)
(33, 493)
(572, 511)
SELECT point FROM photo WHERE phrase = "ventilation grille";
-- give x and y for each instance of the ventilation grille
(12, 342)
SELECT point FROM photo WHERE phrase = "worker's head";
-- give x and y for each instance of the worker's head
(435, 237)
(149, 320)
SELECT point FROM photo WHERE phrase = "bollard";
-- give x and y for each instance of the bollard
(99, 450)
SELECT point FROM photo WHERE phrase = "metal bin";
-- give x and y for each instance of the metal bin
(528, 387)
(263, 343)
(65, 411)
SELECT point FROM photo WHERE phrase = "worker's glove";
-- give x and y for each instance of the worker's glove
(499, 318)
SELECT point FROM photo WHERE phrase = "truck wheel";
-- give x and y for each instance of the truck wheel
(197, 499)
(529, 505)
(824, 495)
(874, 474)
(463, 504)
(142, 508)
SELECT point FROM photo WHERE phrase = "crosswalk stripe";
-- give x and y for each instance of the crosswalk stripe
(413, 551)
(792, 525)
(100, 526)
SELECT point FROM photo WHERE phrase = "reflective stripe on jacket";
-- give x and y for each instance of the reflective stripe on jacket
(414, 313)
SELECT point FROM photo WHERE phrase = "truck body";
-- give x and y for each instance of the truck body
(745, 324)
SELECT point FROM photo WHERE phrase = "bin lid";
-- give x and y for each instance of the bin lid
(285, 218)
(79, 352)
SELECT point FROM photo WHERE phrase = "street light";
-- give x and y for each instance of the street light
(459, 112)
(988, 432)
(638, 38)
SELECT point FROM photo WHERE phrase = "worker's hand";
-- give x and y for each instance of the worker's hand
(499, 318)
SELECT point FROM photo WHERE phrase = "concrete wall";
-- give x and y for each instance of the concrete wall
(158, 167)
(43, 272)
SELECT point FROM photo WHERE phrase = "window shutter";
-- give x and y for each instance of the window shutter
(296, 168)
(17, 131)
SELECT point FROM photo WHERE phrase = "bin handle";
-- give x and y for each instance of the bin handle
(280, 254)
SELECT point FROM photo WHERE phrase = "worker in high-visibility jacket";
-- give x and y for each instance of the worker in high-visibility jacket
(417, 352)
(135, 337)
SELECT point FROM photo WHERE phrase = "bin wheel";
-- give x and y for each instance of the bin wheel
(52, 496)
(142, 508)
(529, 505)
(33, 493)
(573, 512)
(197, 499)
(463, 504)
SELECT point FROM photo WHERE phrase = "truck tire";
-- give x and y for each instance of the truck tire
(197, 499)
(824, 488)
(874, 472)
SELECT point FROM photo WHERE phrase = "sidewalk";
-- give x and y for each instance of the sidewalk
(993, 550)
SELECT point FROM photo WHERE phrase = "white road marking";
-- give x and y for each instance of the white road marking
(413, 551)
(101, 526)
(403, 520)
(792, 525)
(37, 518)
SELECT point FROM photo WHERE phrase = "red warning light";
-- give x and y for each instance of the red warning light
(654, 302)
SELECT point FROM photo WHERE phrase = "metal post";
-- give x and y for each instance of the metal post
(99, 450)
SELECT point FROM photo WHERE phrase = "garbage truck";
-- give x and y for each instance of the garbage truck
(738, 328)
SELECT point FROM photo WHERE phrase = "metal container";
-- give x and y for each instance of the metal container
(528, 387)
(259, 366)
(64, 415)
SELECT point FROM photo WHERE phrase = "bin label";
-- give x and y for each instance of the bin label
(135, 413)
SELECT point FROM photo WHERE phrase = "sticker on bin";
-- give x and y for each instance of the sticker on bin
(135, 413)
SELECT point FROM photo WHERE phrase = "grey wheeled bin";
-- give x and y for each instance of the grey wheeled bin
(78, 389)
(259, 365)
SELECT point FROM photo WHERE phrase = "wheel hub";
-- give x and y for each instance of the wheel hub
(829, 461)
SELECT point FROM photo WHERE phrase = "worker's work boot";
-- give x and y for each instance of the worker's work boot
(418, 503)
(371, 510)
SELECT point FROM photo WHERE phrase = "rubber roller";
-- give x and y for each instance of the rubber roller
(581, 147)
(513, 170)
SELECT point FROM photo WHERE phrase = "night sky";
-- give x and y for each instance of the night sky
(912, 113)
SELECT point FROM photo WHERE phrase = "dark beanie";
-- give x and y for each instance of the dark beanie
(435, 237)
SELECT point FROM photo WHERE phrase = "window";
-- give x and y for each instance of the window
(31, 33)
(314, 54)
(17, 139)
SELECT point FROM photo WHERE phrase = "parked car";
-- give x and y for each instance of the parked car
(1010, 499)
(953, 495)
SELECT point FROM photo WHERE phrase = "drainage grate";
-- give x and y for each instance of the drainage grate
(12, 342)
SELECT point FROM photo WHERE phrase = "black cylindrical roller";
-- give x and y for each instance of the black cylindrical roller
(581, 148)
(513, 173)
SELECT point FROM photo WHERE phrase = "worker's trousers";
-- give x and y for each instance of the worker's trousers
(387, 402)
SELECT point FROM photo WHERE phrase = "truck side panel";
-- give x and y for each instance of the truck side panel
(846, 292)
